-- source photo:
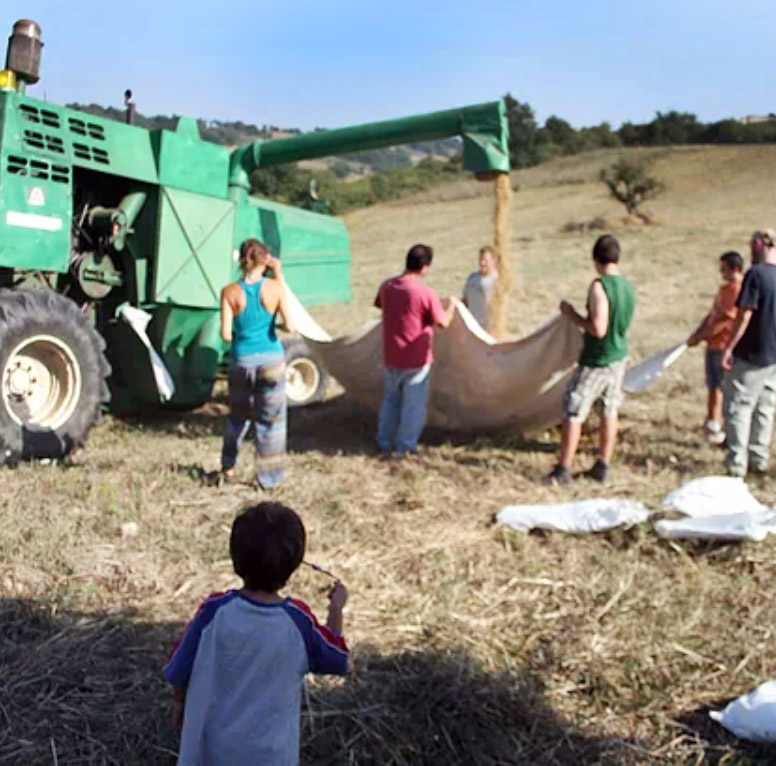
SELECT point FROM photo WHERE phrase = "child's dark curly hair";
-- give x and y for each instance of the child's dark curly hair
(267, 545)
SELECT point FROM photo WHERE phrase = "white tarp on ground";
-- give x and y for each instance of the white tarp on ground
(476, 383)
(752, 716)
(712, 495)
(749, 525)
(576, 517)
(717, 508)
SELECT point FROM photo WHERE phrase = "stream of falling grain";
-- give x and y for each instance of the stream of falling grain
(500, 300)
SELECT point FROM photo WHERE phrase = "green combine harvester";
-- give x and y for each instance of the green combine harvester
(115, 242)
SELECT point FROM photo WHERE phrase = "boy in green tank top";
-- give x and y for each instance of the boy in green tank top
(599, 376)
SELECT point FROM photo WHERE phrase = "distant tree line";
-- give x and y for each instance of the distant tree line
(532, 144)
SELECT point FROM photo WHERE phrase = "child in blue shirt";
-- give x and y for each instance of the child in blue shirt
(238, 670)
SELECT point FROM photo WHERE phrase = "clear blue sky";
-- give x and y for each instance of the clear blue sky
(337, 62)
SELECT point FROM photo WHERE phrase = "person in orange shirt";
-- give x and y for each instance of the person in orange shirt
(716, 329)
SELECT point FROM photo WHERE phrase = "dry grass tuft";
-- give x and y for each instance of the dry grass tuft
(81, 689)
(440, 707)
(582, 227)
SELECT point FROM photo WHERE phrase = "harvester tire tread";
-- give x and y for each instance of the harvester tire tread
(29, 313)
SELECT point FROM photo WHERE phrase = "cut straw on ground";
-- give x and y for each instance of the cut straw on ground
(472, 644)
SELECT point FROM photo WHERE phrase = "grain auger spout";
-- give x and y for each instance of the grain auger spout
(483, 128)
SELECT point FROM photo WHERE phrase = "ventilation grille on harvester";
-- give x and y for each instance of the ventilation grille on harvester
(85, 152)
(34, 139)
(39, 116)
(40, 169)
(86, 129)
(40, 140)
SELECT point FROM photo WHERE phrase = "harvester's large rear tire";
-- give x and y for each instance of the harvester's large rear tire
(52, 375)
(306, 379)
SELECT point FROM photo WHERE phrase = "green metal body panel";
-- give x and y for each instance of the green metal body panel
(194, 243)
(36, 195)
(79, 140)
(184, 161)
(183, 210)
(314, 248)
(189, 342)
(190, 346)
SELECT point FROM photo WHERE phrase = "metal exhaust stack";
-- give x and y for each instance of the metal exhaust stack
(23, 54)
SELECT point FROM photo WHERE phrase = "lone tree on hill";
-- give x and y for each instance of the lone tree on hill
(629, 183)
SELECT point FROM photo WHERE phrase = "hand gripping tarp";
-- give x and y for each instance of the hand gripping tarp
(477, 384)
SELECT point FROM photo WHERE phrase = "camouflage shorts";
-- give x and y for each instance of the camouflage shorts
(601, 386)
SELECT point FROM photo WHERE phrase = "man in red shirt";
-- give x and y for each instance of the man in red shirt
(411, 311)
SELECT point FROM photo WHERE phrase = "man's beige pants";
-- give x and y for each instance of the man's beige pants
(750, 399)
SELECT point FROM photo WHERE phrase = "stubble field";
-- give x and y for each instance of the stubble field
(472, 644)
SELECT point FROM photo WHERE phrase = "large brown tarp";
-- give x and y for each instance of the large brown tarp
(477, 384)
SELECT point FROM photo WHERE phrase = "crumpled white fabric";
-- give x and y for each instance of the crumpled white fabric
(749, 525)
(306, 326)
(718, 508)
(752, 716)
(138, 320)
(712, 495)
(576, 517)
(641, 375)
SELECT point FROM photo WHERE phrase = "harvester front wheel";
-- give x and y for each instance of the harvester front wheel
(52, 375)
(306, 379)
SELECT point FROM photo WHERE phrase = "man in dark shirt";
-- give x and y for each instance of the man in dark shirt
(750, 358)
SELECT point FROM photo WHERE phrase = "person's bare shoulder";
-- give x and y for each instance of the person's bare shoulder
(271, 293)
(231, 291)
(271, 285)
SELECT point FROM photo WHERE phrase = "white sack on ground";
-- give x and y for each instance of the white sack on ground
(639, 377)
(577, 517)
(476, 383)
(751, 716)
(712, 495)
(749, 525)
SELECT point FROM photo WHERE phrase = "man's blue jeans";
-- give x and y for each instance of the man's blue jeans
(403, 412)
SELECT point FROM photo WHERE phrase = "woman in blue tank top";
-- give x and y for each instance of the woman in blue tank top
(257, 374)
